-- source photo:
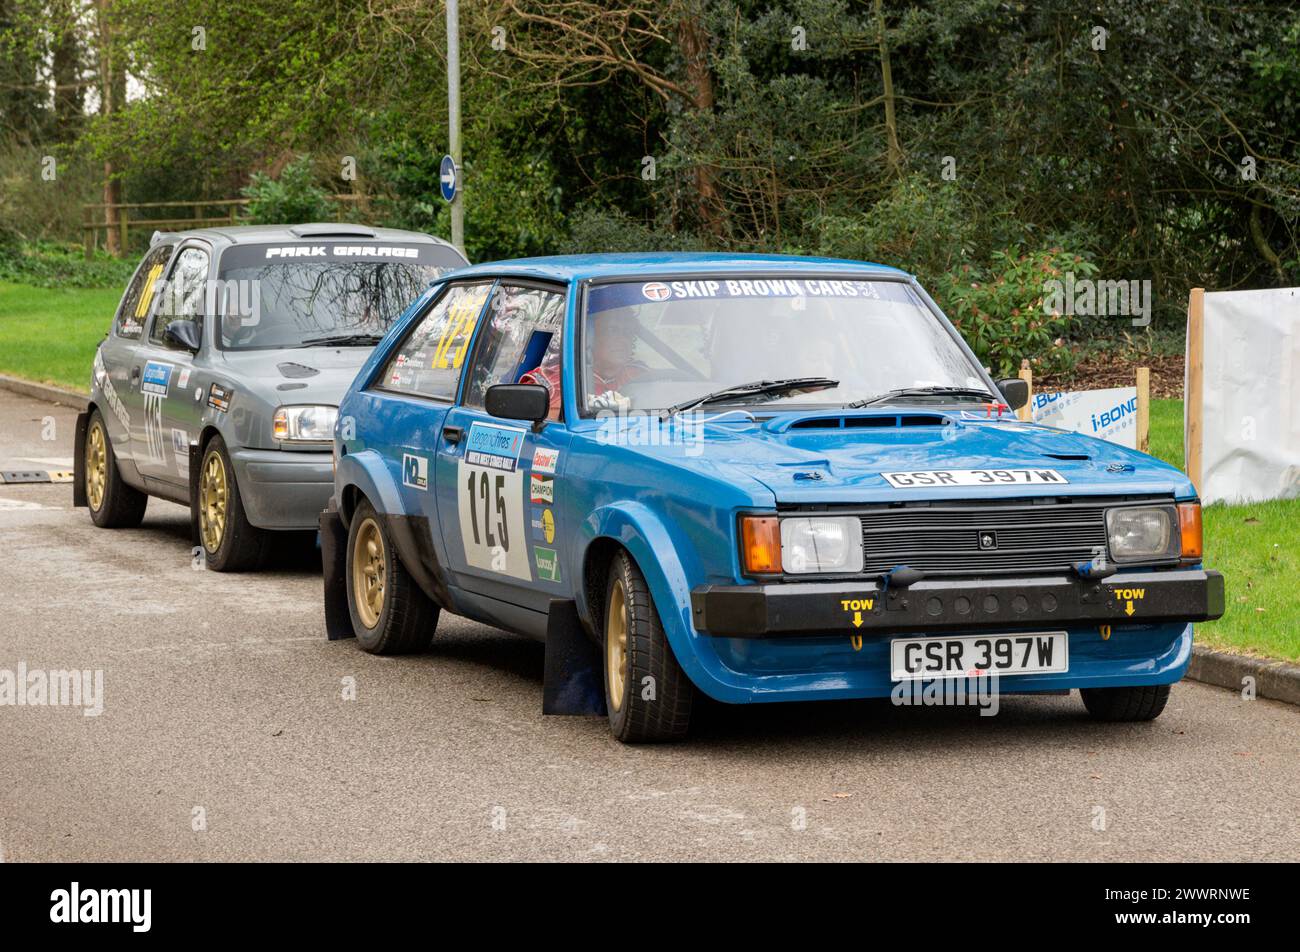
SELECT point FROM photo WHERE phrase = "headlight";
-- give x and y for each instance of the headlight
(821, 544)
(305, 424)
(1139, 533)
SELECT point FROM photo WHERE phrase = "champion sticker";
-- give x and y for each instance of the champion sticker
(415, 471)
(541, 489)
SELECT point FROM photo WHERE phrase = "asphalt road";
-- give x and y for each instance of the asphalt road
(225, 736)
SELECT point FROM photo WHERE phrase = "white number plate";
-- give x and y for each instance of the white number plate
(973, 477)
(970, 656)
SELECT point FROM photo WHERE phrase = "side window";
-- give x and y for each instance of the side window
(133, 310)
(520, 343)
(183, 296)
(429, 361)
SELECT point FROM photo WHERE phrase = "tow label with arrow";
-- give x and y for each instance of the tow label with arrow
(1128, 596)
(857, 606)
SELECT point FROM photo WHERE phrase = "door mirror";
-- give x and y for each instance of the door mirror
(518, 401)
(183, 334)
(1015, 391)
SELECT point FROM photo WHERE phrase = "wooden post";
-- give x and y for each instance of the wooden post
(1144, 410)
(123, 251)
(1193, 432)
(1027, 375)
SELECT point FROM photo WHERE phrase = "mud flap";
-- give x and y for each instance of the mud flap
(196, 460)
(79, 461)
(573, 679)
(333, 556)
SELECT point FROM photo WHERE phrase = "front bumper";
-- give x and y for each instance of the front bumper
(786, 609)
(283, 489)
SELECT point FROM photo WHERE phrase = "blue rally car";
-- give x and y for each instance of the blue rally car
(760, 478)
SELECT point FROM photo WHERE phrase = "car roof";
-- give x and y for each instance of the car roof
(568, 268)
(290, 234)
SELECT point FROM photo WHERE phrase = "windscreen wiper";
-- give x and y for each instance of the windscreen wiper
(923, 392)
(756, 388)
(345, 340)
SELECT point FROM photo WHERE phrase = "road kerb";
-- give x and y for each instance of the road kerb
(1276, 680)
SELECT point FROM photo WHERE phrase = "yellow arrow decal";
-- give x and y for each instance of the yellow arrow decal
(1128, 608)
(857, 619)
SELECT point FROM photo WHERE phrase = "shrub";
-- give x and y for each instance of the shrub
(291, 199)
(1000, 309)
(598, 231)
(52, 264)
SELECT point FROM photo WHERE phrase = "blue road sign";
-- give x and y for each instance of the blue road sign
(448, 178)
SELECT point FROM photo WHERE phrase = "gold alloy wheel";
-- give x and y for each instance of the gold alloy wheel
(214, 499)
(368, 570)
(96, 466)
(616, 644)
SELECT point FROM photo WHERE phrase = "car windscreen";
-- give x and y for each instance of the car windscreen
(301, 295)
(651, 345)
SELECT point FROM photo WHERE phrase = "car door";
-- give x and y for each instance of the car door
(118, 364)
(417, 387)
(496, 479)
(169, 414)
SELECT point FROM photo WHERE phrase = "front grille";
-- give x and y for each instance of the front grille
(946, 540)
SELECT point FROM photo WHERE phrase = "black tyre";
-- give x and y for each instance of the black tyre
(390, 614)
(230, 542)
(1126, 704)
(112, 503)
(648, 695)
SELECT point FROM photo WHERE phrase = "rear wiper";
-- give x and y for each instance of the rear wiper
(343, 340)
(758, 387)
(923, 392)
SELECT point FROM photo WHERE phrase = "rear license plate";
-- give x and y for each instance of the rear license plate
(973, 656)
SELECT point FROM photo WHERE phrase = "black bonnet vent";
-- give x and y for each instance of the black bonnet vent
(891, 421)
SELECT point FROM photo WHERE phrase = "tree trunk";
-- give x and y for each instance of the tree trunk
(895, 151)
(66, 67)
(112, 93)
(699, 80)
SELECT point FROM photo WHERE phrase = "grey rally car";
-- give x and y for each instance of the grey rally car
(218, 383)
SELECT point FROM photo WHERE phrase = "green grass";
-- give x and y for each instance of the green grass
(50, 334)
(1255, 547)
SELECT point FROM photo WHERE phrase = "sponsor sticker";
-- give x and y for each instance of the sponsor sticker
(541, 489)
(548, 564)
(543, 525)
(219, 397)
(545, 460)
(184, 379)
(974, 477)
(157, 378)
(415, 471)
(656, 291)
(181, 450)
(496, 447)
